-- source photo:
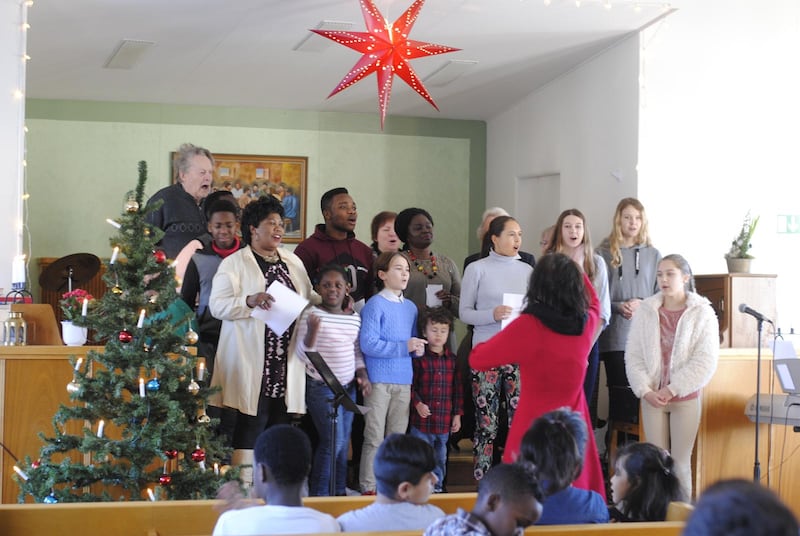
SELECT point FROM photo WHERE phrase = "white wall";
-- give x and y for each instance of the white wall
(719, 135)
(582, 126)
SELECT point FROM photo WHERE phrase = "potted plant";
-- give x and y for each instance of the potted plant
(738, 257)
(73, 308)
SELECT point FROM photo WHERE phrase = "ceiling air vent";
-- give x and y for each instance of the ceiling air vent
(128, 53)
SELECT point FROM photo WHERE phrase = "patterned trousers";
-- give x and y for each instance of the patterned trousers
(488, 388)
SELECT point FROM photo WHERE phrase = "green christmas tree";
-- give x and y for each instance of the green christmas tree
(144, 428)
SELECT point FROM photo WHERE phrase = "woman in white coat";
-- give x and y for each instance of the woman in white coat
(671, 354)
(261, 379)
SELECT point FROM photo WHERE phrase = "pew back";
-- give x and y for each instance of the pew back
(195, 518)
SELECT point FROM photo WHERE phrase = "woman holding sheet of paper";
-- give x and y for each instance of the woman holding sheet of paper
(261, 378)
(489, 285)
(435, 279)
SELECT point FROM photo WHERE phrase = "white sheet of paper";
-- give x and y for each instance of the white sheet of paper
(285, 309)
(515, 302)
(431, 300)
(783, 350)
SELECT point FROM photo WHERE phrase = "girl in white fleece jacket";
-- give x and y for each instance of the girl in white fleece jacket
(671, 354)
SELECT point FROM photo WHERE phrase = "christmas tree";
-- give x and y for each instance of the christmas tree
(144, 432)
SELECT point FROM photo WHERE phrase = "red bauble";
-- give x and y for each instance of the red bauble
(36, 464)
(160, 256)
(125, 336)
(164, 480)
(198, 455)
(171, 454)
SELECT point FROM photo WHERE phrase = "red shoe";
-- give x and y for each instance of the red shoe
(370, 492)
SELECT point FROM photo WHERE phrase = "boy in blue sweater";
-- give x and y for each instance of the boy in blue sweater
(388, 340)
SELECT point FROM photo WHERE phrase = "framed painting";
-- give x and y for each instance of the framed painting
(249, 177)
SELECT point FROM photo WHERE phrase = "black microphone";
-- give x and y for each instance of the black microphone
(743, 308)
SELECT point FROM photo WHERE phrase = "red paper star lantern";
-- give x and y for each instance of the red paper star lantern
(386, 51)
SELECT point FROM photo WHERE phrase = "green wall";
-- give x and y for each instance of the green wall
(82, 159)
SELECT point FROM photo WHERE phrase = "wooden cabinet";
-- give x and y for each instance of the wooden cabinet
(726, 292)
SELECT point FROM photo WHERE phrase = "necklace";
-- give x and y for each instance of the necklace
(270, 258)
(421, 267)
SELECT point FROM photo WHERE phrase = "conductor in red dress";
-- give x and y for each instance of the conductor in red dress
(549, 341)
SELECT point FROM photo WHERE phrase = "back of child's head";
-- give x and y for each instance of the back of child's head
(286, 451)
(510, 484)
(740, 508)
(434, 315)
(382, 263)
(401, 458)
(555, 444)
(652, 482)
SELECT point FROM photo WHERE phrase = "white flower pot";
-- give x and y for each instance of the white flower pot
(73, 335)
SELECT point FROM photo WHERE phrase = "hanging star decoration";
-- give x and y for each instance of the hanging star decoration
(386, 51)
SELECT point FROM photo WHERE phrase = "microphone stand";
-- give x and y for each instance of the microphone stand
(756, 463)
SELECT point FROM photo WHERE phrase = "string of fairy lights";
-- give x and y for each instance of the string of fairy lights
(20, 265)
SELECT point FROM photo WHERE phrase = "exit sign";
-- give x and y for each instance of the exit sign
(789, 223)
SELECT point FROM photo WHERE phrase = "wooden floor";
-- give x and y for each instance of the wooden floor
(460, 469)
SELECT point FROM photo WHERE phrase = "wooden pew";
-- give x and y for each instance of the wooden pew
(194, 518)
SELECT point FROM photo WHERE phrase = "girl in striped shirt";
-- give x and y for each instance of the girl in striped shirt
(331, 330)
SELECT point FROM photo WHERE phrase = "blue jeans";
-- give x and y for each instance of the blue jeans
(439, 444)
(318, 400)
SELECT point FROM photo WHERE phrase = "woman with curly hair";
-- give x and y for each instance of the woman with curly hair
(549, 342)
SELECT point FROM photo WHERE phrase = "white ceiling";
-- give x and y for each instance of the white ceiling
(239, 52)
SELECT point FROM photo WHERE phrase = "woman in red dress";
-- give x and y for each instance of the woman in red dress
(549, 342)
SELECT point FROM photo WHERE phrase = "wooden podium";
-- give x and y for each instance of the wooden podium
(726, 440)
(33, 383)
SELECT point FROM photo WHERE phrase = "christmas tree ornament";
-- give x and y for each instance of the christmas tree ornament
(160, 256)
(73, 387)
(202, 416)
(224, 469)
(146, 231)
(50, 499)
(125, 336)
(116, 290)
(193, 387)
(153, 297)
(385, 50)
(36, 464)
(198, 454)
(164, 480)
(131, 205)
(191, 336)
(171, 453)
(153, 385)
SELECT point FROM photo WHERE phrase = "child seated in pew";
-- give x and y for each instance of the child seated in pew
(404, 475)
(740, 508)
(644, 483)
(509, 500)
(282, 464)
(555, 445)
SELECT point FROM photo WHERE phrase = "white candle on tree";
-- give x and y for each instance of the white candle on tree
(85, 308)
(140, 323)
(141, 387)
(100, 428)
(114, 255)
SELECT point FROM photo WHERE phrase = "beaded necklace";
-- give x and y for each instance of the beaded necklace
(421, 267)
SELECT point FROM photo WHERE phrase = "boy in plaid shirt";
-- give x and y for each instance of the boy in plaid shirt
(436, 393)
